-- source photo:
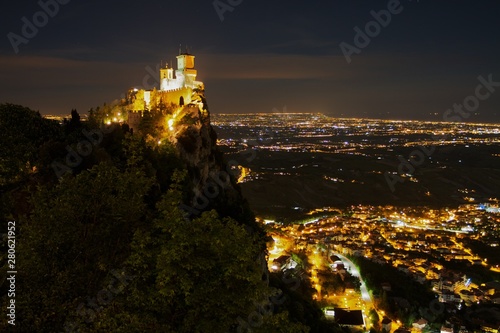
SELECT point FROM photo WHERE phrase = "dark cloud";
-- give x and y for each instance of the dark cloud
(264, 55)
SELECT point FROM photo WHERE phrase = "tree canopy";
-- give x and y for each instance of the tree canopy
(22, 133)
(106, 247)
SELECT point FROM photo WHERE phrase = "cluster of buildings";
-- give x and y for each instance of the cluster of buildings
(416, 241)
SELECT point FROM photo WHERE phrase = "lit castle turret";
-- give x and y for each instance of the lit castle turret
(176, 89)
(185, 75)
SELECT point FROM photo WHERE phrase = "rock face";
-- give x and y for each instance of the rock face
(214, 182)
(196, 141)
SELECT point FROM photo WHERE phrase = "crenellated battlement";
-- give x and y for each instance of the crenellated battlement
(174, 89)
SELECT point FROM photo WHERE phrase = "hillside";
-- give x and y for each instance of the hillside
(122, 231)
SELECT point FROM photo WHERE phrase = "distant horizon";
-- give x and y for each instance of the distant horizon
(427, 57)
(364, 118)
(322, 113)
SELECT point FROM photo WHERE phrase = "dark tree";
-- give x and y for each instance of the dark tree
(22, 133)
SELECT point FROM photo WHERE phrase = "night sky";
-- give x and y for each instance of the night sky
(263, 55)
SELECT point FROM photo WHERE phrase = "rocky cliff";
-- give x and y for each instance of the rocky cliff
(214, 185)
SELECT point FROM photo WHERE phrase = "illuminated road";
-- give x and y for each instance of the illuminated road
(365, 295)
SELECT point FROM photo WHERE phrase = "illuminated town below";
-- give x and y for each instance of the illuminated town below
(428, 246)
(398, 265)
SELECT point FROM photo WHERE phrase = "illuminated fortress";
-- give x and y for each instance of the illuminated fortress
(174, 89)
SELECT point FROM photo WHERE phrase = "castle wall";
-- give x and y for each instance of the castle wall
(167, 84)
(134, 119)
(139, 102)
(145, 98)
(172, 90)
(174, 96)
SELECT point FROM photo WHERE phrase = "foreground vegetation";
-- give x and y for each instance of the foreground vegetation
(102, 245)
